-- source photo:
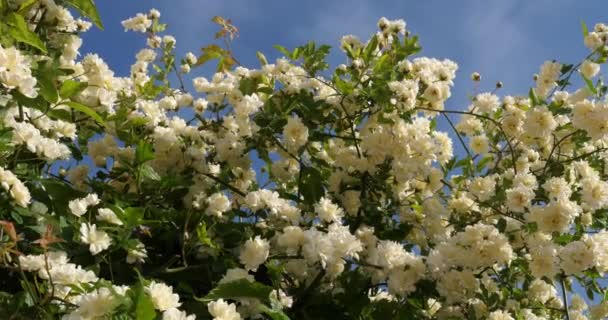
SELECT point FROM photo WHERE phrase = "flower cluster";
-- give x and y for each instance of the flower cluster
(288, 190)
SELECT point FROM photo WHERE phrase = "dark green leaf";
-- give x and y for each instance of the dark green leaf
(47, 83)
(310, 185)
(501, 225)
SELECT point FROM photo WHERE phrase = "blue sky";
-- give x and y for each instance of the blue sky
(504, 40)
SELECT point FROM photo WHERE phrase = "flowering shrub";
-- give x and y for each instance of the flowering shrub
(291, 191)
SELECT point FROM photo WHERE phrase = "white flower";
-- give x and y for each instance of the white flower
(78, 207)
(236, 274)
(162, 296)
(139, 23)
(15, 72)
(539, 122)
(328, 211)
(200, 105)
(576, 257)
(97, 240)
(480, 144)
(154, 13)
(107, 215)
(169, 40)
(218, 203)
(222, 310)
(168, 103)
(176, 314)
(137, 254)
(486, 102)
(500, 315)
(254, 252)
(295, 134)
(17, 190)
(291, 239)
(94, 305)
(589, 69)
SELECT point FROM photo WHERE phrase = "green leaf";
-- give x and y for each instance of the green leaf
(144, 307)
(585, 29)
(482, 163)
(87, 8)
(47, 83)
(132, 216)
(533, 98)
(501, 225)
(283, 50)
(6, 136)
(203, 235)
(25, 6)
(310, 185)
(86, 110)
(589, 84)
(273, 314)
(143, 152)
(148, 172)
(370, 48)
(210, 52)
(241, 288)
(70, 88)
(20, 31)
(262, 58)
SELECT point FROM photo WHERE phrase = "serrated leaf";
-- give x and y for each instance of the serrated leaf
(20, 31)
(241, 288)
(86, 110)
(88, 9)
(70, 88)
